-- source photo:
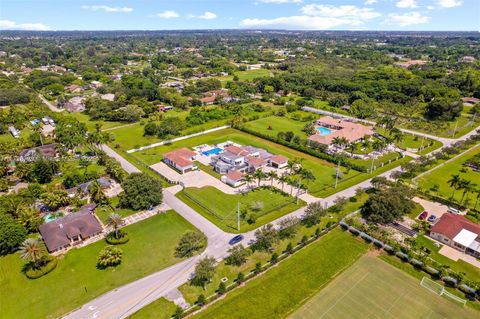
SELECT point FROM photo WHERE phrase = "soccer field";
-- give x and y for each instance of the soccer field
(372, 288)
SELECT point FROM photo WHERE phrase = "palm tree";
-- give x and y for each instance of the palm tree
(272, 175)
(366, 144)
(377, 145)
(351, 147)
(291, 183)
(32, 250)
(115, 221)
(283, 179)
(454, 182)
(248, 179)
(259, 175)
(398, 136)
(38, 130)
(477, 198)
(304, 174)
(467, 187)
(337, 141)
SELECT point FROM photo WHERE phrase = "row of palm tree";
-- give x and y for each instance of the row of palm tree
(457, 183)
(295, 177)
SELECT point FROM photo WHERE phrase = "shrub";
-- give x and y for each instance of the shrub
(49, 266)
(201, 300)
(450, 281)
(274, 258)
(190, 243)
(109, 257)
(221, 288)
(469, 291)
(240, 278)
(122, 238)
(432, 271)
(416, 263)
(354, 231)
(402, 256)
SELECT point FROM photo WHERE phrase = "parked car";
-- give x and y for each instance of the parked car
(423, 215)
(236, 239)
(453, 210)
(432, 218)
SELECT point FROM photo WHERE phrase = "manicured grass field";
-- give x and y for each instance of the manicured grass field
(76, 279)
(221, 208)
(372, 288)
(282, 289)
(159, 309)
(441, 175)
(85, 118)
(272, 125)
(246, 75)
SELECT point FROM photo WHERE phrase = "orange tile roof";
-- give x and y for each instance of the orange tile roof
(181, 157)
(449, 225)
(235, 175)
(236, 150)
(349, 130)
(279, 159)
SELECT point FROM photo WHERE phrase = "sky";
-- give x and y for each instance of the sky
(427, 15)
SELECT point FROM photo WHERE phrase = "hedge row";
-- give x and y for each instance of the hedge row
(470, 292)
(307, 150)
(37, 273)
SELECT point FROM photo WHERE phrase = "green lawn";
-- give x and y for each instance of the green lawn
(282, 289)
(159, 309)
(372, 288)
(272, 125)
(246, 75)
(221, 208)
(441, 175)
(76, 279)
(85, 118)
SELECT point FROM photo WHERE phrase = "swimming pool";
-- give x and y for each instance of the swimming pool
(323, 131)
(213, 151)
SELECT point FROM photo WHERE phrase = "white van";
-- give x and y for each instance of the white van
(454, 211)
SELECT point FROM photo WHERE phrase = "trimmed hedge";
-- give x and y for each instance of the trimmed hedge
(450, 281)
(37, 273)
(307, 150)
(110, 239)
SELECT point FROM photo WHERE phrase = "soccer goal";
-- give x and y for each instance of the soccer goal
(440, 290)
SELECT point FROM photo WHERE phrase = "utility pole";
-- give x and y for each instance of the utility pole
(473, 120)
(336, 175)
(238, 216)
(423, 140)
(455, 129)
(371, 167)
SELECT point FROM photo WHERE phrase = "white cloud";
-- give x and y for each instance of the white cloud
(407, 4)
(168, 14)
(207, 15)
(12, 25)
(318, 17)
(281, 1)
(107, 8)
(449, 3)
(370, 2)
(403, 20)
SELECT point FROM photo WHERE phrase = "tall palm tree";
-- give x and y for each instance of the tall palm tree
(283, 179)
(291, 182)
(248, 179)
(351, 147)
(467, 187)
(272, 175)
(377, 145)
(365, 144)
(454, 182)
(336, 141)
(115, 221)
(32, 250)
(259, 175)
(304, 174)
(38, 130)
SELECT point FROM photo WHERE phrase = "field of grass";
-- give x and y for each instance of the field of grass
(84, 118)
(159, 309)
(441, 175)
(443, 129)
(272, 125)
(221, 208)
(372, 288)
(76, 279)
(282, 289)
(246, 75)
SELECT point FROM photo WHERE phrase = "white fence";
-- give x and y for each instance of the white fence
(177, 139)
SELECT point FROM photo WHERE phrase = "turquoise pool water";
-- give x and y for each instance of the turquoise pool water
(48, 218)
(213, 151)
(323, 131)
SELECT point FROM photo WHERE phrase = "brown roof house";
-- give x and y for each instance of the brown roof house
(234, 178)
(458, 232)
(70, 230)
(181, 159)
(327, 128)
(32, 154)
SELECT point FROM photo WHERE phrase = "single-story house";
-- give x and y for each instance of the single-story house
(75, 104)
(47, 130)
(458, 232)
(234, 178)
(351, 131)
(470, 101)
(278, 161)
(72, 229)
(108, 97)
(74, 88)
(44, 151)
(181, 159)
